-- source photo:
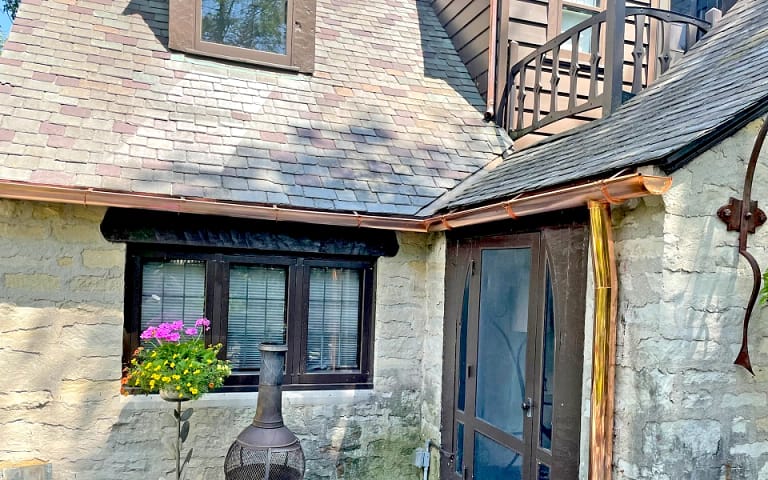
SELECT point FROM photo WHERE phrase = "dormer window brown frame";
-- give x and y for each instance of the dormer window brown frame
(185, 34)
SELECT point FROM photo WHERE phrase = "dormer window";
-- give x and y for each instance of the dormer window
(276, 33)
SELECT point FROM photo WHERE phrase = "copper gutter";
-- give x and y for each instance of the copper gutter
(604, 346)
(613, 190)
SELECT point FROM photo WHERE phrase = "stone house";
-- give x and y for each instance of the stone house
(344, 165)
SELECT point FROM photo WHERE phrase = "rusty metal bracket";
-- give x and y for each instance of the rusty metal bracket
(746, 221)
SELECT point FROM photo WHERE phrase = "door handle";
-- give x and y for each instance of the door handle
(527, 407)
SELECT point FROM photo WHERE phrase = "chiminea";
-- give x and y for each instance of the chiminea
(266, 449)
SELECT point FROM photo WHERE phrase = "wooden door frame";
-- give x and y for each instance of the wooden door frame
(459, 251)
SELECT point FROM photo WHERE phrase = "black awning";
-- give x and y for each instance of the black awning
(166, 228)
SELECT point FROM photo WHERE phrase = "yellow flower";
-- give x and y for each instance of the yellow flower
(189, 384)
(186, 371)
(166, 379)
(209, 361)
(154, 354)
(151, 384)
(193, 391)
(173, 365)
(176, 377)
(178, 387)
(158, 367)
(196, 372)
(156, 376)
(175, 355)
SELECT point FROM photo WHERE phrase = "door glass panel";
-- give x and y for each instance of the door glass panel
(543, 472)
(494, 461)
(459, 447)
(462, 371)
(548, 368)
(502, 338)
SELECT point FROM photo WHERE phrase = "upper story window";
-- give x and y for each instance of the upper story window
(277, 33)
(571, 13)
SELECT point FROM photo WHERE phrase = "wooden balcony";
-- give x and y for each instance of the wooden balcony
(556, 87)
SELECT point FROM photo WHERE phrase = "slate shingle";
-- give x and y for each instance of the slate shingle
(96, 79)
(726, 73)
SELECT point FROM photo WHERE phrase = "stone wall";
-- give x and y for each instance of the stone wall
(683, 410)
(61, 304)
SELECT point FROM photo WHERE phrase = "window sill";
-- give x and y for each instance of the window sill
(296, 398)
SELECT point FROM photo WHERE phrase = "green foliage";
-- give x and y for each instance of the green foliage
(764, 290)
(176, 362)
(10, 7)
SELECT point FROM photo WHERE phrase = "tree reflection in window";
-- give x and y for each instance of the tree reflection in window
(253, 24)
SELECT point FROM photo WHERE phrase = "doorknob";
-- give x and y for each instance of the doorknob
(526, 406)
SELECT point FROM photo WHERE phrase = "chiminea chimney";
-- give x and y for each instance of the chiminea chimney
(267, 449)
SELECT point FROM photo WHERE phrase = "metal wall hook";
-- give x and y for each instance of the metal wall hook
(746, 220)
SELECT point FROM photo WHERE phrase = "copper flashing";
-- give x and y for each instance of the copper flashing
(618, 189)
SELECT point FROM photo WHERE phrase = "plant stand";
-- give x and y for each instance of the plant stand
(182, 432)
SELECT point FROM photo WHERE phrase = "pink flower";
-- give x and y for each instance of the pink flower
(190, 331)
(150, 332)
(203, 322)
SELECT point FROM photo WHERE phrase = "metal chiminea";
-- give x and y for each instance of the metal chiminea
(266, 449)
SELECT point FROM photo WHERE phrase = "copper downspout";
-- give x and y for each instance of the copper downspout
(612, 190)
(604, 347)
(490, 103)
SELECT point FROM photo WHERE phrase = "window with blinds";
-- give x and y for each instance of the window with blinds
(333, 320)
(321, 308)
(257, 296)
(172, 290)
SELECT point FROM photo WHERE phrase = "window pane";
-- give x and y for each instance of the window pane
(256, 312)
(494, 461)
(459, 447)
(253, 24)
(462, 371)
(172, 290)
(571, 18)
(502, 338)
(548, 368)
(543, 472)
(591, 3)
(334, 318)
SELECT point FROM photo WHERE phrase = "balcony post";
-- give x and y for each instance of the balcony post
(614, 55)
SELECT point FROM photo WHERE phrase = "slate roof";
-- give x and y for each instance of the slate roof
(390, 120)
(723, 77)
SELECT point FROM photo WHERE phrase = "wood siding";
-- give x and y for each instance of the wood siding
(467, 23)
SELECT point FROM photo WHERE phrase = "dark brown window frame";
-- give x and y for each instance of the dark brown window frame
(216, 308)
(184, 27)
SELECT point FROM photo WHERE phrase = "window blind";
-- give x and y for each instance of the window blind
(333, 320)
(172, 290)
(257, 298)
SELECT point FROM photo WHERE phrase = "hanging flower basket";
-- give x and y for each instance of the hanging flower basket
(176, 363)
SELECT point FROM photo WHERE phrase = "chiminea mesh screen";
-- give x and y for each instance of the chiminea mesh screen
(264, 464)
(267, 449)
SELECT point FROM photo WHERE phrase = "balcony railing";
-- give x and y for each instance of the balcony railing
(620, 63)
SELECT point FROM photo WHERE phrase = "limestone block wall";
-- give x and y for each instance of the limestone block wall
(683, 410)
(61, 318)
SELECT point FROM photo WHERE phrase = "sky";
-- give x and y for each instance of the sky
(5, 23)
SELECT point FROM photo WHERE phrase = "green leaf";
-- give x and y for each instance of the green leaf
(186, 460)
(184, 431)
(175, 414)
(186, 414)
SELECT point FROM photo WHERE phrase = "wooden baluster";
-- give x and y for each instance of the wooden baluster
(537, 91)
(554, 80)
(521, 98)
(573, 72)
(594, 61)
(665, 56)
(637, 53)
